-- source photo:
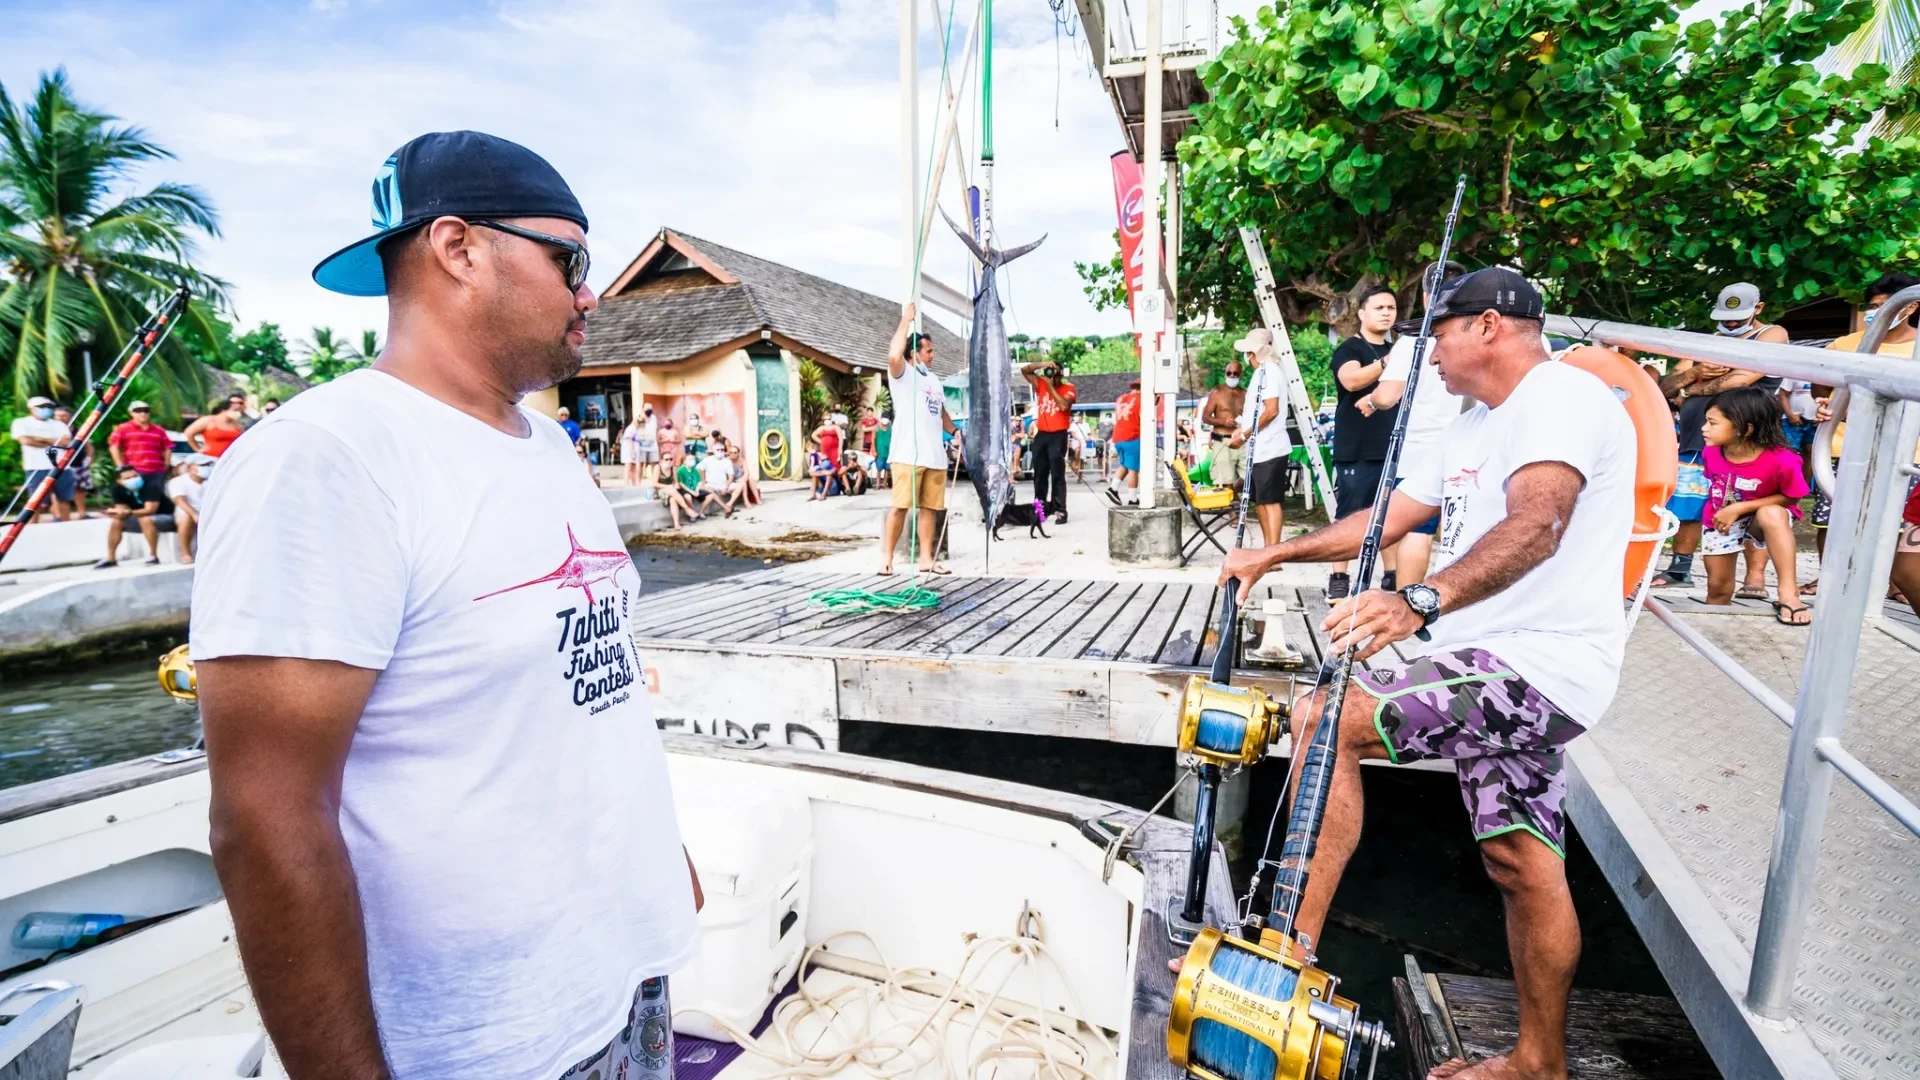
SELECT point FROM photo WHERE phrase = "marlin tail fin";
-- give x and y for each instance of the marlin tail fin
(988, 256)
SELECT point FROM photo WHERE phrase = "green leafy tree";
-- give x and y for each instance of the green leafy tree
(1628, 164)
(81, 254)
(257, 350)
(1105, 283)
(1068, 351)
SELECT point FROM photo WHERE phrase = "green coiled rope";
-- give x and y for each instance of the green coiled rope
(862, 601)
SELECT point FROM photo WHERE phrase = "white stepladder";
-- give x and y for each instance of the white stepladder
(1268, 298)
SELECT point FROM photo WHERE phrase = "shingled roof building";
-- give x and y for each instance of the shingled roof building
(695, 328)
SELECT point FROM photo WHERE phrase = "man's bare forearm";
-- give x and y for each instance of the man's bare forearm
(296, 912)
(1732, 380)
(1330, 543)
(1503, 556)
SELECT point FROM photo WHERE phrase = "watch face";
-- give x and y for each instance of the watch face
(1423, 600)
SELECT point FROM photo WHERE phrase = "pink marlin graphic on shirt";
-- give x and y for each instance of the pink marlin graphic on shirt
(581, 569)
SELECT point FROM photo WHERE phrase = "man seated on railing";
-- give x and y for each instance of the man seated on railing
(1534, 490)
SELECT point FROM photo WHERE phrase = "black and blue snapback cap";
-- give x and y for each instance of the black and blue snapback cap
(464, 174)
(1495, 288)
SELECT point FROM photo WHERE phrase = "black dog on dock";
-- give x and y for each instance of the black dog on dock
(1031, 514)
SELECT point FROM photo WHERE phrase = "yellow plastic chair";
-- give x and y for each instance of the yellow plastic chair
(1209, 507)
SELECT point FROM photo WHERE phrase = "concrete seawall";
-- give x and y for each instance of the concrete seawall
(81, 607)
(62, 614)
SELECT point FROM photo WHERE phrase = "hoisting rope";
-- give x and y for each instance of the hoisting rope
(913, 596)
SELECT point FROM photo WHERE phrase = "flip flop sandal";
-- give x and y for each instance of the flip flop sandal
(887, 570)
(1811, 588)
(1662, 581)
(1751, 592)
(1788, 614)
(937, 570)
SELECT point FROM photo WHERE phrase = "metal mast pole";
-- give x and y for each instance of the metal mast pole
(910, 147)
(986, 124)
(1151, 299)
(1171, 443)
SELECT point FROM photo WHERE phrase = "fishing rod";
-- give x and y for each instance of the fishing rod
(1246, 1010)
(1316, 773)
(1222, 725)
(140, 347)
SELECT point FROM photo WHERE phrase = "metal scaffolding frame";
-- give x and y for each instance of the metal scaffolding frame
(1883, 416)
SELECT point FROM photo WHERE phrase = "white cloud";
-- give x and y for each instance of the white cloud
(769, 126)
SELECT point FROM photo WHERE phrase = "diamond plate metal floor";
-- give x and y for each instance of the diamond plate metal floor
(1705, 764)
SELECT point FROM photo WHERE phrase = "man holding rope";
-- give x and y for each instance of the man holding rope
(917, 455)
(1534, 492)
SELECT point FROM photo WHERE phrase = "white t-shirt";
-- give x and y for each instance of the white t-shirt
(1562, 626)
(1269, 384)
(1433, 406)
(1800, 396)
(917, 404)
(185, 489)
(505, 802)
(717, 472)
(37, 457)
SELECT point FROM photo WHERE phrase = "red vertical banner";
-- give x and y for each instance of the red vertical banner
(1129, 199)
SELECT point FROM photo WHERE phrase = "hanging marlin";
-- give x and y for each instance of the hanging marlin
(989, 439)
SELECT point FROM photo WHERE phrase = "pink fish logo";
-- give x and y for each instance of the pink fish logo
(1465, 475)
(581, 569)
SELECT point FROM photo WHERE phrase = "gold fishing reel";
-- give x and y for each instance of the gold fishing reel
(177, 677)
(1243, 1011)
(1229, 725)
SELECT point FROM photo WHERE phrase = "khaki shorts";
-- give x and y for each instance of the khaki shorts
(1228, 465)
(929, 484)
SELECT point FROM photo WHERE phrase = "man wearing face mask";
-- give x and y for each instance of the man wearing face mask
(1690, 388)
(1222, 415)
(134, 498)
(38, 435)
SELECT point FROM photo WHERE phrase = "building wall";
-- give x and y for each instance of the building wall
(721, 390)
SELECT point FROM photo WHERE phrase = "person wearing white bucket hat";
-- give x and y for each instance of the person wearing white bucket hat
(1260, 421)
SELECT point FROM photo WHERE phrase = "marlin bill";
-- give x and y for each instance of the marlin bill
(989, 441)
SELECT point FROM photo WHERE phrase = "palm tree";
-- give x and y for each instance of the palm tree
(325, 357)
(77, 257)
(369, 348)
(1890, 36)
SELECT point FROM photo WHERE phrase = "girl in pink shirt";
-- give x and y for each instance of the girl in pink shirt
(1754, 487)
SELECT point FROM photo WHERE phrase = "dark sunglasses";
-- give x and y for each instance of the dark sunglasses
(574, 266)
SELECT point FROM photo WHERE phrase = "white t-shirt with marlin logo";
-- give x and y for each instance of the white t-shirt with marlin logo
(505, 802)
(1562, 627)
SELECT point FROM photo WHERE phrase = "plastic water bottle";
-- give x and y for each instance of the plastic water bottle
(55, 930)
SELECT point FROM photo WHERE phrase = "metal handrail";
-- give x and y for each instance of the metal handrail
(1869, 490)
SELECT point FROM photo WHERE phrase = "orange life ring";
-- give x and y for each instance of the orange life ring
(1658, 467)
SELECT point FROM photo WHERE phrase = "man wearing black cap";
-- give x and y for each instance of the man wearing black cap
(441, 813)
(1534, 490)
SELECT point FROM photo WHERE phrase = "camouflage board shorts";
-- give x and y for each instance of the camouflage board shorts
(1503, 736)
(644, 1048)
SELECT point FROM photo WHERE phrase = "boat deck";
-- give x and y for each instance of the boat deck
(1088, 659)
(1676, 793)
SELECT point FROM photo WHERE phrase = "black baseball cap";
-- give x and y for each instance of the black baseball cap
(465, 174)
(1495, 288)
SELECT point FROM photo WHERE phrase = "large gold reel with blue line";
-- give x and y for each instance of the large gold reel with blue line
(1251, 1012)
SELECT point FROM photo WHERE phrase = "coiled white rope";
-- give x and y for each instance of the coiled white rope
(859, 1033)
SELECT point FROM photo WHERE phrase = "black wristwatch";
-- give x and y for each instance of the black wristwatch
(1425, 603)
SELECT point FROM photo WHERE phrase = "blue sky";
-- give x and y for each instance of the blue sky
(766, 125)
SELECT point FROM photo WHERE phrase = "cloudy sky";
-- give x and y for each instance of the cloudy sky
(767, 125)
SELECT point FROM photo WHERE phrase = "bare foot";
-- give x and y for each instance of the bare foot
(1498, 1067)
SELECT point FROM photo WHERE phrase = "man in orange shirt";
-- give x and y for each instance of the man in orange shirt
(1126, 447)
(1053, 399)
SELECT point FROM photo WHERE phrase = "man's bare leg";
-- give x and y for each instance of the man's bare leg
(152, 532)
(1272, 522)
(1906, 576)
(1416, 552)
(926, 540)
(1346, 804)
(890, 538)
(1543, 938)
(185, 522)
